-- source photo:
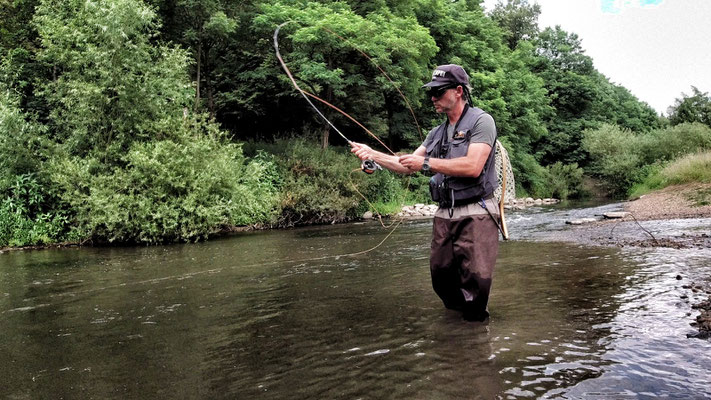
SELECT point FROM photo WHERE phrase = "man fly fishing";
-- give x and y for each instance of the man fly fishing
(460, 154)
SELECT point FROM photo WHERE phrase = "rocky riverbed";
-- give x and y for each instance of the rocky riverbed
(703, 320)
(677, 217)
(428, 210)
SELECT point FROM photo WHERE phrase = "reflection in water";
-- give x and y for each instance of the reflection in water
(282, 315)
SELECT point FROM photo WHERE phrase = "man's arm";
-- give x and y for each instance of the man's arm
(470, 165)
(364, 152)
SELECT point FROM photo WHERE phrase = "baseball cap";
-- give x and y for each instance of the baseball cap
(447, 75)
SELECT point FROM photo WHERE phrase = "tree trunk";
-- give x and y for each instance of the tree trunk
(390, 108)
(210, 100)
(324, 136)
(326, 127)
(197, 90)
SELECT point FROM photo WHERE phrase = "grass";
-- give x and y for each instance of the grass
(692, 168)
(701, 198)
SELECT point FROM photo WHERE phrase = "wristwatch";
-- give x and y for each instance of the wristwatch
(426, 164)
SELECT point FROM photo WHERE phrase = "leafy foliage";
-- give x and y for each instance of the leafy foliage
(566, 180)
(102, 102)
(114, 87)
(24, 216)
(169, 190)
(518, 19)
(693, 108)
(624, 158)
(21, 141)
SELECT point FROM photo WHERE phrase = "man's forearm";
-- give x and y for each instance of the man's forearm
(390, 162)
(461, 166)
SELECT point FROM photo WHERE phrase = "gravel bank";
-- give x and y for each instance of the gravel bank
(672, 202)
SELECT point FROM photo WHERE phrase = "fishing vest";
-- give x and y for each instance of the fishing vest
(451, 191)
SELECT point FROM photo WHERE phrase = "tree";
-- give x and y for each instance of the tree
(582, 99)
(204, 27)
(517, 19)
(693, 108)
(333, 68)
(112, 86)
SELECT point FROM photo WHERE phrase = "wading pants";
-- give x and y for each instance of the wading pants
(462, 262)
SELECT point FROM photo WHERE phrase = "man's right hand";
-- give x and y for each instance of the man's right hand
(364, 152)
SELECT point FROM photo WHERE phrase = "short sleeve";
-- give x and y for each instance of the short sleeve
(484, 131)
(429, 138)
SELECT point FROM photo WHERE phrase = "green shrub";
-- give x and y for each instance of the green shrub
(531, 178)
(674, 142)
(317, 184)
(22, 146)
(566, 180)
(168, 191)
(25, 218)
(628, 161)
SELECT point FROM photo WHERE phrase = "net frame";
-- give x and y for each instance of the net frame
(504, 176)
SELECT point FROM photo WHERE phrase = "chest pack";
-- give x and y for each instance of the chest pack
(451, 191)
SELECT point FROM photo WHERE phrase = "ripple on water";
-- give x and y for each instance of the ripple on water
(567, 321)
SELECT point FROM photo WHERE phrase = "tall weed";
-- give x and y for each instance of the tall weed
(690, 168)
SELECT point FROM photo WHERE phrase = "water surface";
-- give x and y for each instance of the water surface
(289, 314)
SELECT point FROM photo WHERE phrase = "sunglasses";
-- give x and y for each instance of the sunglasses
(437, 92)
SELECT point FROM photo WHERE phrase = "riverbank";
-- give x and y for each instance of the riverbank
(646, 221)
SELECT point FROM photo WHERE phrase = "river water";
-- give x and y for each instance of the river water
(291, 314)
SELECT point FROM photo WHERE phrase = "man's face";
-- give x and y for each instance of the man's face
(447, 100)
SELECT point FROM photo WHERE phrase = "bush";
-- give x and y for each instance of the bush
(674, 142)
(21, 141)
(317, 184)
(566, 180)
(531, 178)
(24, 216)
(324, 186)
(625, 159)
(168, 191)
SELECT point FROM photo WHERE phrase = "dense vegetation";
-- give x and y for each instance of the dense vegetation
(152, 121)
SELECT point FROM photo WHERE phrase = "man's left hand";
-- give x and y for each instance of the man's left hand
(412, 162)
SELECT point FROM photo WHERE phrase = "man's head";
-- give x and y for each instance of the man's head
(444, 78)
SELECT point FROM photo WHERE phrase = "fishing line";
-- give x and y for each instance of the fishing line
(193, 274)
(402, 95)
(306, 96)
(305, 93)
(296, 85)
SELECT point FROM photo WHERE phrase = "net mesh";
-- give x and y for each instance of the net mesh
(504, 172)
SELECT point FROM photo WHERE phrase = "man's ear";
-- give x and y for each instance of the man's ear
(460, 91)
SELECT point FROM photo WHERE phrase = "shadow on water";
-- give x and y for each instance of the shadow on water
(286, 314)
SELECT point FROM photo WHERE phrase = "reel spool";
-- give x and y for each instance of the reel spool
(369, 166)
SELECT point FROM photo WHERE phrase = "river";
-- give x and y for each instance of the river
(291, 314)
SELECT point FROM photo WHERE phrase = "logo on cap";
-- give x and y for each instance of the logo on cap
(439, 72)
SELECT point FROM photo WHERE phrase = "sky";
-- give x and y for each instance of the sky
(657, 49)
